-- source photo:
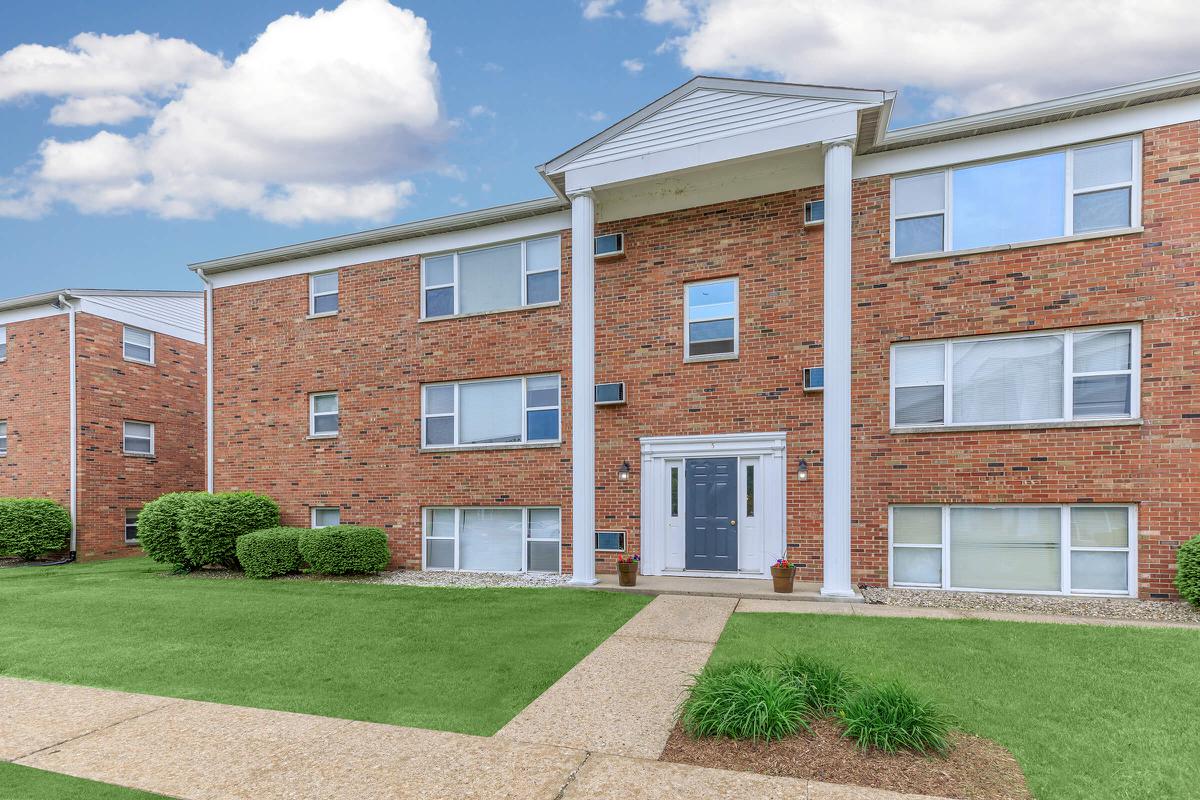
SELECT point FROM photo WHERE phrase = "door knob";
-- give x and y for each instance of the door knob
(733, 522)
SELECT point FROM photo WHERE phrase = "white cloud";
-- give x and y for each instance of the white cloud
(633, 65)
(100, 110)
(594, 116)
(317, 120)
(492, 66)
(971, 56)
(459, 201)
(452, 171)
(480, 111)
(596, 9)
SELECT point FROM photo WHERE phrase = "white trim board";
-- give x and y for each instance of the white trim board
(29, 312)
(530, 227)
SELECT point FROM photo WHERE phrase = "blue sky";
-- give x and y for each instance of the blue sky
(508, 86)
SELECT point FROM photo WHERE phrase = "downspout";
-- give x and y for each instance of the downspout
(208, 381)
(74, 416)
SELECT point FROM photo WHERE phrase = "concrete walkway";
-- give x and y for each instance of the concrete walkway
(758, 588)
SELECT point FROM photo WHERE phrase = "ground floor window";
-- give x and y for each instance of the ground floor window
(131, 533)
(1084, 549)
(493, 539)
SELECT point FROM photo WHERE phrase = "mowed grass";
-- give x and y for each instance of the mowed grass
(35, 784)
(1090, 712)
(464, 660)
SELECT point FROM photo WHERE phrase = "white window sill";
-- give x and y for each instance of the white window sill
(137, 455)
(321, 437)
(1000, 248)
(138, 361)
(530, 307)
(458, 448)
(705, 359)
(322, 315)
(1019, 426)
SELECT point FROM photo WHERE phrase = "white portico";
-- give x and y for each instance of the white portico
(713, 140)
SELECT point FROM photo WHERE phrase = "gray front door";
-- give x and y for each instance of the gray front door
(711, 532)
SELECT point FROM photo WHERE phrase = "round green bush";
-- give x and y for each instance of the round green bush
(33, 526)
(270, 552)
(1187, 576)
(891, 718)
(743, 700)
(211, 524)
(344, 549)
(826, 687)
(159, 524)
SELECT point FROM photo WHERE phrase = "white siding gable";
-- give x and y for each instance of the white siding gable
(181, 316)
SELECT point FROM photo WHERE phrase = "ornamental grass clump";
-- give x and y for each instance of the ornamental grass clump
(891, 718)
(826, 687)
(744, 700)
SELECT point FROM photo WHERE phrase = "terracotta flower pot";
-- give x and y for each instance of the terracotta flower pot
(627, 572)
(784, 579)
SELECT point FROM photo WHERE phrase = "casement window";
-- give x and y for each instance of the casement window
(710, 327)
(323, 414)
(3, 343)
(1065, 192)
(493, 539)
(1051, 376)
(326, 517)
(497, 278)
(131, 530)
(491, 412)
(139, 438)
(1081, 549)
(137, 345)
(323, 293)
(3, 438)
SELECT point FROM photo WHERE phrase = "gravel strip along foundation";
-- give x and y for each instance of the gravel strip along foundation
(1102, 607)
(472, 580)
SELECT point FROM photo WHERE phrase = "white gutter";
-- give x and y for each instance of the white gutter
(74, 416)
(208, 381)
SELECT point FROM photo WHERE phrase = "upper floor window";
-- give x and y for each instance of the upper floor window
(3, 343)
(137, 345)
(139, 438)
(323, 414)
(4, 438)
(1044, 196)
(323, 293)
(491, 279)
(711, 320)
(1029, 377)
(489, 412)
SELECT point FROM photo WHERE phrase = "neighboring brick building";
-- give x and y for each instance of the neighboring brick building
(139, 376)
(960, 355)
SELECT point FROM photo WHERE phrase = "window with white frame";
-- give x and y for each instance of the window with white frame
(323, 293)
(1075, 190)
(3, 437)
(139, 438)
(490, 412)
(711, 320)
(1050, 376)
(1082, 549)
(137, 345)
(323, 414)
(131, 530)
(3, 343)
(493, 539)
(326, 517)
(491, 278)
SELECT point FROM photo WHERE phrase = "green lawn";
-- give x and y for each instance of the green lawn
(451, 659)
(35, 784)
(1091, 713)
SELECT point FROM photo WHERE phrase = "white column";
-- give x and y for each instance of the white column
(836, 344)
(583, 380)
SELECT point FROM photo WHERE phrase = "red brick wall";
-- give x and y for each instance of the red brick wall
(169, 393)
(35, 400)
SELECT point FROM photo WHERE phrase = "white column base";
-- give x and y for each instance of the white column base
(582, 581)
(830, 591)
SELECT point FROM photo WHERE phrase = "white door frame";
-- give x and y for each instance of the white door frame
(769, 451)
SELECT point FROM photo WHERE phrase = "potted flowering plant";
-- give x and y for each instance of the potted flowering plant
(627, 569)
(783, 575)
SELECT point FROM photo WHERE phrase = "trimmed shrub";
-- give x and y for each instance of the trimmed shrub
(212, 523)
(270, 552)
(344, 549)
(826, 687)
(159, 524)
(33, 526)
(891, 718)
(1187, 577)
(743, 700)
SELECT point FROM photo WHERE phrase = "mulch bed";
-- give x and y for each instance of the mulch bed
(976, 769)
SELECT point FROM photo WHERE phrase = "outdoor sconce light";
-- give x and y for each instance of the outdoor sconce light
(623, 472)
(802, 470)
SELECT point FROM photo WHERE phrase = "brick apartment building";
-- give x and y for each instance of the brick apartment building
(102, 405)
(957, 355)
